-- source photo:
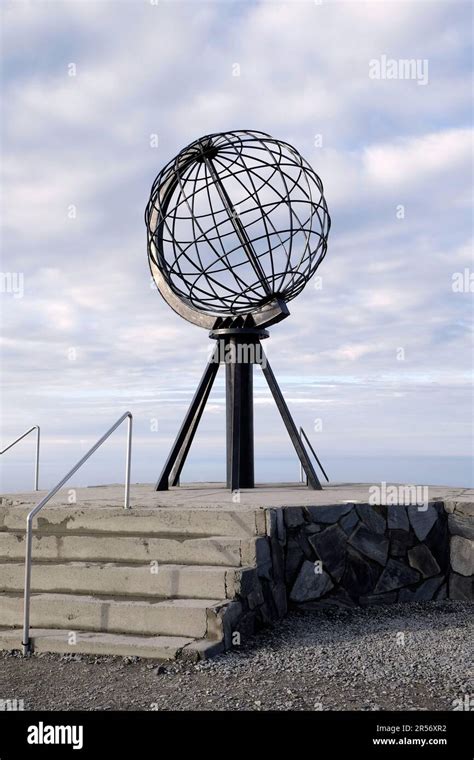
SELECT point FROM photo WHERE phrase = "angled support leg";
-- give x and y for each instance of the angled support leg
(181, 458)
(177, 457)
(303, 435)
(306, 464)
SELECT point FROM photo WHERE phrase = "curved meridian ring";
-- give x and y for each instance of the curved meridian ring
(237, 224)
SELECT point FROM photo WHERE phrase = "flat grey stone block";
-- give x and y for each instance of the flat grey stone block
(397, 518)
(424, 593)
(422, 520)
(461, 588)
(331, 547)
(330, 514)
(462, 555)
(396, 575)
(421, 559)
(372, 520)
(310, 584)
(460, 525)
(372, 545)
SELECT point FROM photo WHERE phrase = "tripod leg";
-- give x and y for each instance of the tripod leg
(181, 458)
(313, 481)
(302, 433)
(186, 433)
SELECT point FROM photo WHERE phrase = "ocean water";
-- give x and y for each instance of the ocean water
(426, 470)
(107, 466)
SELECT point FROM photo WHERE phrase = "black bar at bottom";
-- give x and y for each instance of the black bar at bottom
(401, 735)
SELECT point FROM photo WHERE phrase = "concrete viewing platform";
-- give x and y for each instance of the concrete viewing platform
(186, 573)
(216, 496)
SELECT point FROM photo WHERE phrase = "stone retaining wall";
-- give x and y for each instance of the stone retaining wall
(357, 554)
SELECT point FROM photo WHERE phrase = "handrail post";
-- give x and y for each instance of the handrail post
(20, 438)
(26, 646)
(37, 458)
(26, 600)
(128, 461)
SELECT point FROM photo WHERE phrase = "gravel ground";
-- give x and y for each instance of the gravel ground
(402, 657)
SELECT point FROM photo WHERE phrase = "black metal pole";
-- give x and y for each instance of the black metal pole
(239, 413)
(303, 435)
(188, 428)
(181, 458)
(313, 480)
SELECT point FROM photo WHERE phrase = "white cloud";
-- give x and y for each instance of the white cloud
(416, 160)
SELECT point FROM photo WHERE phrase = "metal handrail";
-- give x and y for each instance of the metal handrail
(302, 478)
(41, 504)
(37, 428)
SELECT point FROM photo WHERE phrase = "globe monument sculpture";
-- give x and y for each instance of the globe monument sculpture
(237, 224)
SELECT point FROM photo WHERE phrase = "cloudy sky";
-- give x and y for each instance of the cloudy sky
(376, 364)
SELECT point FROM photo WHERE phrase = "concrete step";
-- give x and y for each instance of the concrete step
(175, 617)
(159, 521)
(155, 647)
(165, 581)
(231, 552)
(222, 551)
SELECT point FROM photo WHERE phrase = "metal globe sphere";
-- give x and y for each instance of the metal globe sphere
(236, 221)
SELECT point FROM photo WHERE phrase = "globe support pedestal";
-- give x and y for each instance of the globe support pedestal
(239, 413)
(239, 349)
